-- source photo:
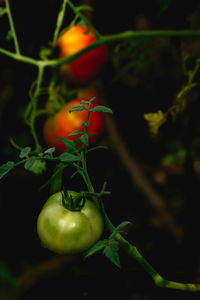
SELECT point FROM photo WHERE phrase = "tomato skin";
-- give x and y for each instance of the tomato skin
(64, 122)
(87, 65)
(68, 232)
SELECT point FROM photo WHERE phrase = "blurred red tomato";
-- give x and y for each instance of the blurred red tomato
(87, 65)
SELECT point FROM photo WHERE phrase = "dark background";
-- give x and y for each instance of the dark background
(145, 90)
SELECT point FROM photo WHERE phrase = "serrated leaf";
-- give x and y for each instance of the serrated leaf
(38, 167)
(70, 145)
(86, 123)
(77, 108)
(29, 163)
(5, 274)
(96, 248)
(111, 252)
(68, 157)
(75, 132)
(84, 139)
(6, 168)
(101, 108)
(119, 228)
(25, 152)
(85, 102)
(50, 150)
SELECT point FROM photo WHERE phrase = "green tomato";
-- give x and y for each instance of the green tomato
(68, 232)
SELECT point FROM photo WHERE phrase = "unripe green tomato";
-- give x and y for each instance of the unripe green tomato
(68, 232)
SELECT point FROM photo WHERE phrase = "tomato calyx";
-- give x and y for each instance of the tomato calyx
(71, 202)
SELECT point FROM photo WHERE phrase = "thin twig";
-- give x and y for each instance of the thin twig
(12, 27)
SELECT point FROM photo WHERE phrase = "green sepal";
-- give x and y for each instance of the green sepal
(73, 203)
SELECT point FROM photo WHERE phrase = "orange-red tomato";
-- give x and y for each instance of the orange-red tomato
(64, 122)
(87, 65)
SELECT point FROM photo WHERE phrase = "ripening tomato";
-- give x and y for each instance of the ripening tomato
(68, 232)
(87, 65)
(63, 123)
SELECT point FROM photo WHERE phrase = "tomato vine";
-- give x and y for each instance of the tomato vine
(76, 157)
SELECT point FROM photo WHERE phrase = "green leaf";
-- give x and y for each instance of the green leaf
(50, 150)
(3, 11)
(29, 163)
(38, 167)
(5, 274)
(86, 123)
(68, 157)
(84, 7)
(101, 108)
(75, 132)
(25, 152)
(84, 139)
(111, 252)
(70, 145)
(55, 181)
(5, 168)
(96, 248)
(118, 229)
(85, 102)
(97, 148)
(77, 108)
(9, 35)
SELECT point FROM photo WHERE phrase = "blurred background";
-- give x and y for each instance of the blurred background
(154, 181)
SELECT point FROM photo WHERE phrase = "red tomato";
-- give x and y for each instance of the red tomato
(87, 65)
(64, 122)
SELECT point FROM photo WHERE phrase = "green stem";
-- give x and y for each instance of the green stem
(59, 21)
(134, 253)
(81, 16)
(12, 27)
(31, 110)
(20, 57)
(102, 41)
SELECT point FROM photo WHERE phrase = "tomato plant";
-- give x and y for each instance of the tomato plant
(73, 222)
(87, 65)
(65, 122)
(66, 231)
